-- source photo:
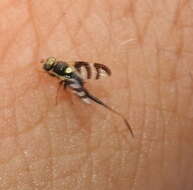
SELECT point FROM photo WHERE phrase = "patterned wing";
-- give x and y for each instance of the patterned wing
(87, 70)
(101, 70)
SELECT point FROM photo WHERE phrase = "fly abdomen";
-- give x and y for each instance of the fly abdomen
(82, 95)
(77, 89)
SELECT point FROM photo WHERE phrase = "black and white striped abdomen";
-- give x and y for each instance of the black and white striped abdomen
(88, 70)
(78, 89)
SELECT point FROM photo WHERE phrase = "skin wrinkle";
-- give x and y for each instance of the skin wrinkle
(88, 149)
(7, 6)
(127, 82)
(176, 107)
(6, 104)
(119, 137)
(128, 85)
(4, 116)
(33, 85)
(160, 111)
(90, 157)
(71, 39)
(11, 42)
(139, 158)
(27, 130)
(134, 19)
(119, 151)
(73, 171)
(187, 103)
(159, 99)
(33, 125)
(67, 9)
(70, 153)
(92, 41)
(110, 24)
(51, 157)
(77, 167)
(164, 136)
(36, 30)
(22, 152)
(144, 116)
(42, 159)
(165, 110)
(178, 54)
(44, 40)
(51, 31)
(97, 17)
(180, 152)
(81, 27)
(24, 156)
(30, 128)
(6, 162)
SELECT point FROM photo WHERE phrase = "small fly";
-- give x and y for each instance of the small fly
(70, 75)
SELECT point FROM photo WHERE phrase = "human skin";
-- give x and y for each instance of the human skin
(74, 146)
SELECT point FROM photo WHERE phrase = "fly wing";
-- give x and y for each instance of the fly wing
(88, 70)
(84, 69)
(101, 70)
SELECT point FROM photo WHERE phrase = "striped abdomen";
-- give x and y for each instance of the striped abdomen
(78, 89)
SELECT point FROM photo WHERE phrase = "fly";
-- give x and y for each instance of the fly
(69, 74)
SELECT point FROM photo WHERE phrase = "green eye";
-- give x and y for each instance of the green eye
(51, 60)
(49, 63)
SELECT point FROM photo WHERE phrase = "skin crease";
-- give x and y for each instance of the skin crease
(149, 48)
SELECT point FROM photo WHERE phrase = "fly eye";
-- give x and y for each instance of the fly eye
(49, 63)
(51, 60)
(68, 70)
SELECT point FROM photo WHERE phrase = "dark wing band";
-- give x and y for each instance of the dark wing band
(100, 67)
(79, 64)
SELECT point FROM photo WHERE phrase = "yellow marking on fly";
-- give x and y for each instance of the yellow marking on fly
(50, 60)
(69, 70)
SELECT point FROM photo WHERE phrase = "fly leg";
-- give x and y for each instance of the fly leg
(58, 89)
